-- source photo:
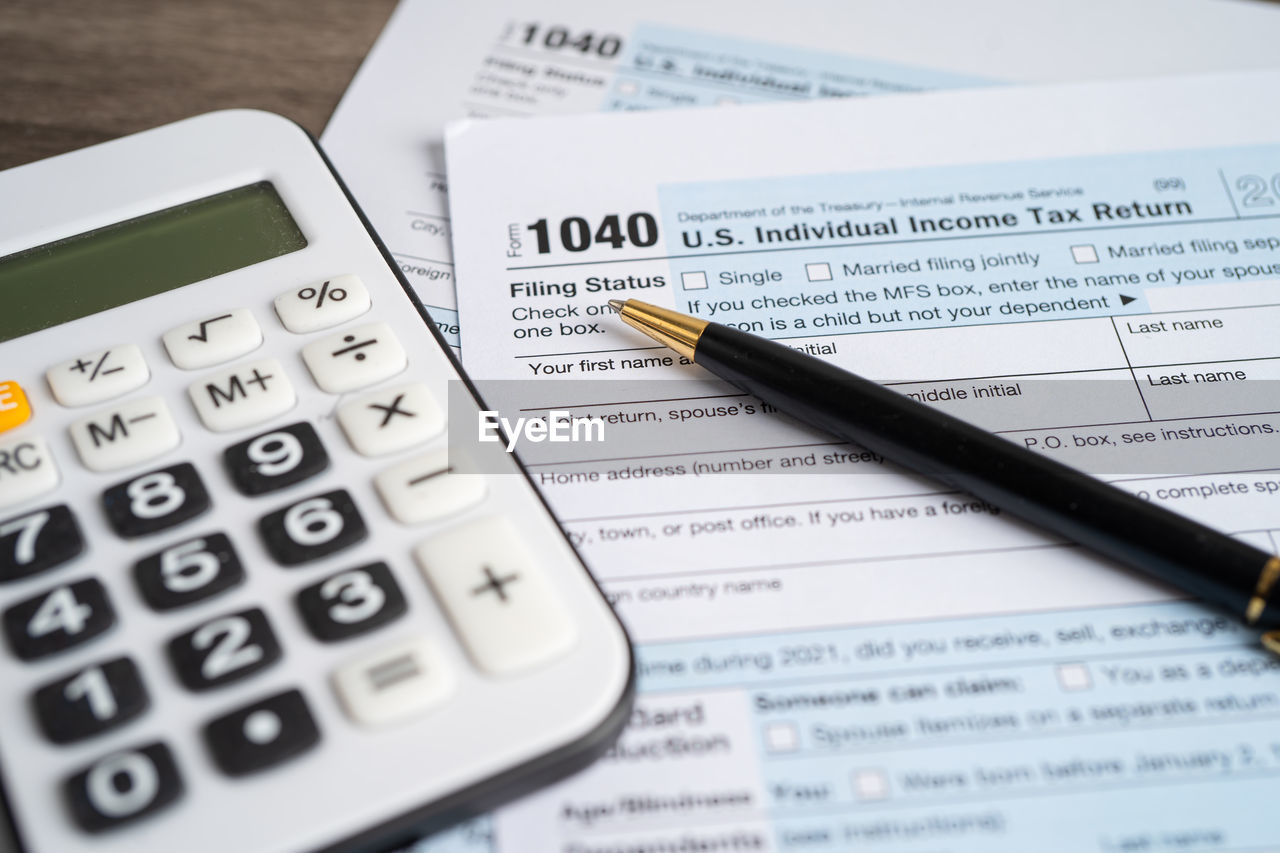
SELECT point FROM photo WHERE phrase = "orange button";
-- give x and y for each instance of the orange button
(14, 408)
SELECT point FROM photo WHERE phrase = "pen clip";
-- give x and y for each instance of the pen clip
(1271, 642)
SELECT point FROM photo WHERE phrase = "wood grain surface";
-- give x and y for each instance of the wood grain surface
(76, 72)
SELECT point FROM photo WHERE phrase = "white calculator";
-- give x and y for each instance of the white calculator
(252, 599)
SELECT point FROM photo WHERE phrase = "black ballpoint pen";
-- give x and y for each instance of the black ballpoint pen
(1210, 565)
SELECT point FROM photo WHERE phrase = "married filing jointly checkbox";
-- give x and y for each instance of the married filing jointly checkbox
(693, 280)
(1085, 254)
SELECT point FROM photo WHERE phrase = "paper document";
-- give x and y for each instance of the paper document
(834, 655)
(440, 61)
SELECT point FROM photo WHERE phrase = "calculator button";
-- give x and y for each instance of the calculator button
(15, 409)
(188, 572)
(392, 420)
(125, 435)
(312, 528)
(322, 305)
(428, 488)
(155, 501)
(26, 470)
(98, 376)
(38, 541)
(91, 701)
(262, 735)
(276, 459)
(351, 602)
(124, 787)
(243, 395)
(59, 619)
(213, 340)
(507, 613)
(355, 358)
(224, 650)
(393, 684)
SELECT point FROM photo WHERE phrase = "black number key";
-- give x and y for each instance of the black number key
(313, 528)
(155, 501)
(59, 619)
(38, 541)
(261, 735)
(351, 602)
(276, 459)
(223, 650)
(123, 787)
(91, 701)
(188, 572)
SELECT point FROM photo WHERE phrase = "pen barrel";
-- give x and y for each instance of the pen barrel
(1198, 559)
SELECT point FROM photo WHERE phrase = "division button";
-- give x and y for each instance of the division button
(59, 619)
(262, 734)
(15, 408)
(391, 420)
(243, 395)
(187, 572)
(38, 541)
(507, 612)
(98, 376)
(155, 501)
(125, 435)
(212, 340)
(322, 305)
(277, 459)
(224, 650)
(352, 602)
(356, 358)
(313, 528)
(428, 488)
(396, 683)
(123, 787)
(91, 701)
(27, 470)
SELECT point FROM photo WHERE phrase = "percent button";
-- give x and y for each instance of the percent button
(355, 358)
(323, 304)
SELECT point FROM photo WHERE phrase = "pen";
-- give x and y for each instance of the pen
(1213, 566)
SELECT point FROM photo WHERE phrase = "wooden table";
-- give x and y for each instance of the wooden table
(76, 72)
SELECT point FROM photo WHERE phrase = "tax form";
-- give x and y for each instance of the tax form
(833, 654)
(440, 61)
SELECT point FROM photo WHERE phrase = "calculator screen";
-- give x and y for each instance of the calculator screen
(91, 272)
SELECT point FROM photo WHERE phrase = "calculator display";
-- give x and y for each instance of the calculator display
(91, 272)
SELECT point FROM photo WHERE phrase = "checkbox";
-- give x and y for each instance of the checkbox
(818, 272)
(1085, 254)
(1074, 676)
(781, 737)
(871, 784)
(693, 280)
(628, 87)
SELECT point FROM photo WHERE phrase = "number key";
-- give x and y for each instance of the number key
(276, 459)
(123, 787)
(59, 619)
(188, 572)
(351, 602)
(38, 541)
(313, 528)
(155, 501)
(224, 650)
(91, 701)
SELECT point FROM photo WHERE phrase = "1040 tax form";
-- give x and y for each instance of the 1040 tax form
(832, 654)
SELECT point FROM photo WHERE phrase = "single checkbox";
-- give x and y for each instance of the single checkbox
(871, 784)
(781, 737)
(693, 280)
(1085, 254)
(1074, 676)
(818, 272)
(628, 87)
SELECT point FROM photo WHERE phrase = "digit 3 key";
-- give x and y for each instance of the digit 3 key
(252, 598)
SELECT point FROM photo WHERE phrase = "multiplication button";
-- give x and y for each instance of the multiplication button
(125, 435)
(322, 305)
(242, 396)
(391, 420)
(506, 611)
(356, 358)
(98, 376)
(213, 340)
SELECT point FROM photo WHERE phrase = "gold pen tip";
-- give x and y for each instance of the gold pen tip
(616, 305)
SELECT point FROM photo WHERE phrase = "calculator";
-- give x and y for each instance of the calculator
(253, 598)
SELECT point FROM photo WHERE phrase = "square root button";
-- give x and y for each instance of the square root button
(503, 606)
